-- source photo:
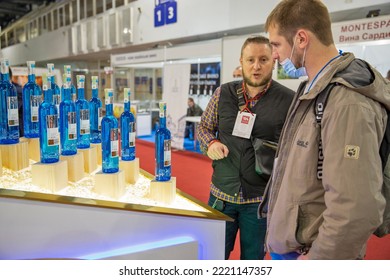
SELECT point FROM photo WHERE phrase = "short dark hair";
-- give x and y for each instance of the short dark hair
(255, 40)
(290, 15)
(191, 99)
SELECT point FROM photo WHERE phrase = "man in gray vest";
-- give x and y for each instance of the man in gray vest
(237, 113)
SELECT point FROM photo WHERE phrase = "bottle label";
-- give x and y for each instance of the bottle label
(72, 126)
(114, 139)
(12, 109)
(84, 121)
(167, 153)
(132, 134)
(53, 138)
(56, 99)
(100, 117)
(35, 100)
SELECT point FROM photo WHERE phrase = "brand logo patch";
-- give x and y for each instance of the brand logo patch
(351, 151)
(245, 120)
(303, 143)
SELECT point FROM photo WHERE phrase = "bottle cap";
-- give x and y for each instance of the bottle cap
(80, 81)
(67, 69)
(126, 95)
(95, 82)
(4, 66)
(50, 69)
(109, 94)
(45, 81)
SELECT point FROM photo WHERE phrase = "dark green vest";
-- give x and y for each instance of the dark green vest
(238, 169)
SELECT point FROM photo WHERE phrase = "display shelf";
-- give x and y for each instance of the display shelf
(78, 223)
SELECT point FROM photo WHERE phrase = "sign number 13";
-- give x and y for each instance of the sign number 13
(165, 13)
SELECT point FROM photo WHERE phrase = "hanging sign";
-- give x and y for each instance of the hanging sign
(362, 30)
(165, 12)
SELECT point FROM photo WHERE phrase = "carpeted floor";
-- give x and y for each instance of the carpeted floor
(193, 173)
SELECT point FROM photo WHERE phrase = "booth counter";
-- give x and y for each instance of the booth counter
(74, 224)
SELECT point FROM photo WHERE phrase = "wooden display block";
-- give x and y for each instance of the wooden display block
(131, 169)
(98, 152)
(164, 192)
(75, 166)
(52, 176)
(110, 184)
(90, 159)
(15, 156)
(34, 151)
(1, 166)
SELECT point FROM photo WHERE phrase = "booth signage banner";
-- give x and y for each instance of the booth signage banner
(175, 93)
(139, 57)
(362, 30)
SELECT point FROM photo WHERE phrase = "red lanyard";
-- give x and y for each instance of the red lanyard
(256, 97)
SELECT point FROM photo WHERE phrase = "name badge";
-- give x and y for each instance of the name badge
(244, 124)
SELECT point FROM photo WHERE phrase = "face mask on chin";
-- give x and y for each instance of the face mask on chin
(289, 67)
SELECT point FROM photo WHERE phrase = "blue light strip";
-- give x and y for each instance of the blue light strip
(138, 248)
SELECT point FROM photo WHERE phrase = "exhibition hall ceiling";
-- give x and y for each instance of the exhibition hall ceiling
(12, 10)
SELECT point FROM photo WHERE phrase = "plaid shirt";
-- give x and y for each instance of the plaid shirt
(207, 131)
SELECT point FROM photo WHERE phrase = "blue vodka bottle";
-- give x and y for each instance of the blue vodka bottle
(73, 92)
(68, 123)
(32, 98)
(163, 147)
(110, 137)
(56, 91)
(82, 116)
(9, 117)
(49, 140)
(95, 112)
(127, 121)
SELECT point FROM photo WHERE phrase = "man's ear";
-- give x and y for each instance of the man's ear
(302, 38)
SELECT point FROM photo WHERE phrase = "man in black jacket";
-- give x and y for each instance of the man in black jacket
(255, 107)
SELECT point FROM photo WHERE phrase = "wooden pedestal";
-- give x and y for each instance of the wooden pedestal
(110, 184)
(164, 192)
(15, 156)
(34, 151)
(75, 166)
(52, 176)
(131, 169)
(98, 152)
(90, 159)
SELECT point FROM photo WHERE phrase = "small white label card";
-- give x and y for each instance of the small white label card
(244, 124)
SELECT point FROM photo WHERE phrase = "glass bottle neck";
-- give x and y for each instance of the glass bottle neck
(127, 106)
(31, 78)
(109, 109)
(163, 122)
(80, 92)
(5, 77)
(95, 93)
(48, 95)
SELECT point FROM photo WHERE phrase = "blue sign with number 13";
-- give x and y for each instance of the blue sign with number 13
(165, 12)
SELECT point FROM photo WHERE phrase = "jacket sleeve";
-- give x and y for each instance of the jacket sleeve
(352, 179)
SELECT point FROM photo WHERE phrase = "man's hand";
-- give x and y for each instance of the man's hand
(217, 151)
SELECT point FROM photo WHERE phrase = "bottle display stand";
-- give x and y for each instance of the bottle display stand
(163, 191)
(33, 148)
(98, 152)
(75, 166)
(52, 176)
(110, 184)
(15, 156)
(131, 170)
(90, 159)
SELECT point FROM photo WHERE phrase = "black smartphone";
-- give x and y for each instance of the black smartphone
(218, 205)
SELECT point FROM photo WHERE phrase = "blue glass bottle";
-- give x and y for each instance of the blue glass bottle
(49, 140)
(68, 123)
(95, 112)
(82, 116)
(163, 147)
(110, 137)
(56, 91)
(32, 98)
(9, 117)
(127, 122)
(73, 91)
